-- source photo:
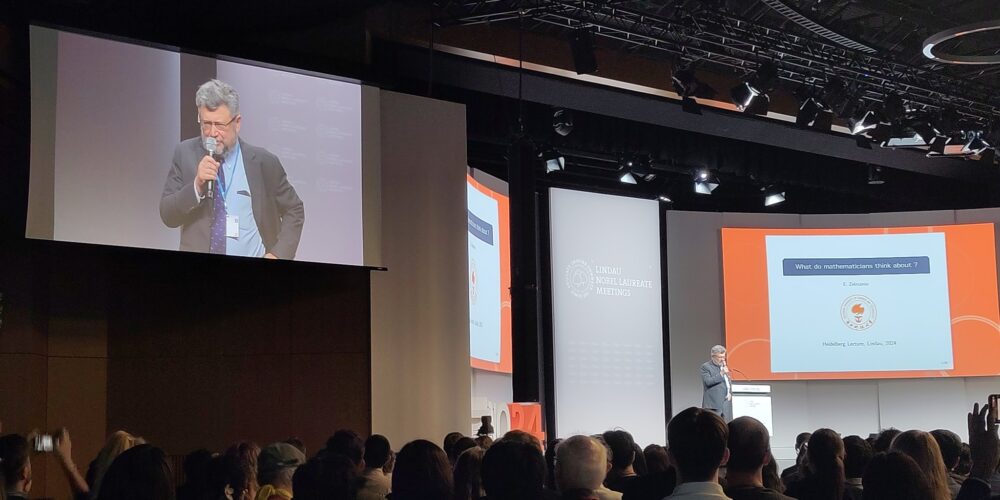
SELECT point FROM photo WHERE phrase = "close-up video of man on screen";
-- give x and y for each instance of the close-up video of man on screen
(227, 196)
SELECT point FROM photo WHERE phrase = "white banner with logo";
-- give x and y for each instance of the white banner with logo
(607, 315)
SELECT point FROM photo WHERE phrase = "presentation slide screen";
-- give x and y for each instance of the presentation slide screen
(900, 302)
(117, 142)
(607, 326)
(489, 278)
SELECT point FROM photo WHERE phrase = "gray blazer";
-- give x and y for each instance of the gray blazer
(276, 207)
(714, 383)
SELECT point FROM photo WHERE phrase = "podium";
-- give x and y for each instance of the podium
(753, 400)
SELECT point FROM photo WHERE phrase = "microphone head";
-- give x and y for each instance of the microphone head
(210, 145)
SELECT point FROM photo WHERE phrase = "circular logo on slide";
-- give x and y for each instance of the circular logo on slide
(473, 282)
(579, 278)
(858, 312)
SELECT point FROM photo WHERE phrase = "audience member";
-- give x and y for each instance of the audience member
(984, 452)
(241, 469)
(659, 480)
(823, 475)
(63, 452)
(449, 443)
(195, 485)
(923, 449)
(298, 444)
(349, 444)
(858, 454)
(514, 469)
(951, 449)
(16, 465)
(377, 483)
(463, 443)
(656, 459)
(468, 474)
(550, 464)
(484, 442)
(697, 448)
(276, 466)
(422, 472)
(523, 437)
(117, 443)
(139, 472)
(331, 476)
(895, 476)
(771, 478)
(964, 463)
(622, 474)
(640, 461)
(581, 466)
(801, 445)
(749, 451)
(884, 439)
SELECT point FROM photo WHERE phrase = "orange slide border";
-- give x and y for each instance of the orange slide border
(972, 285)
(503, 207)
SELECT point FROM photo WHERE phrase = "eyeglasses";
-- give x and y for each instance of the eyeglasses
(221, 127)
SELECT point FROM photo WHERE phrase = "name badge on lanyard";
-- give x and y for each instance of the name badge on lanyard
(232, 226)
(232, 221)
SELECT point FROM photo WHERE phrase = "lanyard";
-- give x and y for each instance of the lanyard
(224, 187)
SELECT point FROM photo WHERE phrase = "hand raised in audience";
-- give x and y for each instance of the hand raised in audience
(63, 447)
(983, 442)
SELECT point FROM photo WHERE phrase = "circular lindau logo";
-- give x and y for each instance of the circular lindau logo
(579, 278)
(858, 312)
(473, 282)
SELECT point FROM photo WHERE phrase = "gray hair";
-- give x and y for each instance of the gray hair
(215, 93)
(581, 462)
(718, 350)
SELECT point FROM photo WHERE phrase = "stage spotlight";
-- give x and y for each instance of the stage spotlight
(751, 95)
(864, 121)
(772, 196)
(875, 176)
(689, 86)
(705, 182)
(635, 167)
(965, 144)
(916, 133)
(976, 145)
(554, 160)
(812, 113)
(581, 43)
(562, 121)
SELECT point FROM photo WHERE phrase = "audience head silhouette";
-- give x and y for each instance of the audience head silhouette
(697, 444)
(422, 473)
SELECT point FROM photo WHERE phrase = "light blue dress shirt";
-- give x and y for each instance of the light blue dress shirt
(238, 200)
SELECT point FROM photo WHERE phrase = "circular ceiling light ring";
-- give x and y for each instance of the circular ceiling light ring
(958, 32)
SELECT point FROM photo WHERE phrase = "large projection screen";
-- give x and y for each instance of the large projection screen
(606, 315)
(109, 148)
(857, 303)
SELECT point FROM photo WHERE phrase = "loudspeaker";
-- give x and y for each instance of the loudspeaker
(581, 42)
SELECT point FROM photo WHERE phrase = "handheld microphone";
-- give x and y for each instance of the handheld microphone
(210, 145)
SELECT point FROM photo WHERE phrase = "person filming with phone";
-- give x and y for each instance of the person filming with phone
(718, 386)
(15, 462)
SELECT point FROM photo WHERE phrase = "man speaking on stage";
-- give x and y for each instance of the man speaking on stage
(229, 197)
(718, 396)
